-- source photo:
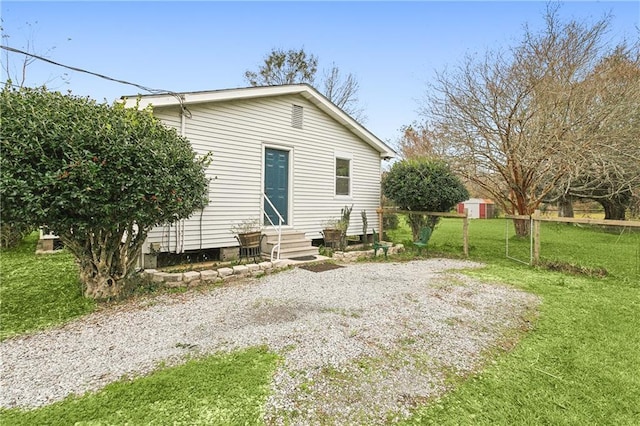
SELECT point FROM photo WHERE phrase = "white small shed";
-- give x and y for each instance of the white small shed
(478, 208)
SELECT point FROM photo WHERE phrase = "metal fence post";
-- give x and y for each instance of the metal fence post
(536, 236)
(465, 233)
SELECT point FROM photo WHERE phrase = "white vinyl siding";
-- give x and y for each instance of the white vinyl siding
(236, 132)
(315, 175)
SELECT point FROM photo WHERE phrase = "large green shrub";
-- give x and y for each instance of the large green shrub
(423, 184)
(99, 176)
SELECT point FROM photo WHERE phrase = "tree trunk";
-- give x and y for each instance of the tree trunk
(634, 207)
(99, 284)
(565, 207)
(416, 222)
(107, 258)
(613, 210)
(522, 226)
(521, 207)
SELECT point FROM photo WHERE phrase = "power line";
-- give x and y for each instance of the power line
(10, 84)
(105, 77)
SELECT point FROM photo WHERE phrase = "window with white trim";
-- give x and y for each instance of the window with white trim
(343, 176)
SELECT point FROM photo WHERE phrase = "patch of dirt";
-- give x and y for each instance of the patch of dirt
(273, 312)
(320, 267)
(575, 269)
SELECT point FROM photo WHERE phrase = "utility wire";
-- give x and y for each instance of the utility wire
(139, 86)
(10, 84)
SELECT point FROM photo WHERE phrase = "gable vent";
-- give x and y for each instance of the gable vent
(296, 116)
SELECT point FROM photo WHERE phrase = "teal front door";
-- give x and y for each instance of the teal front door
(276, 184)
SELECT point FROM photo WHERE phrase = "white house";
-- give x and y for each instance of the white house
(284, 145)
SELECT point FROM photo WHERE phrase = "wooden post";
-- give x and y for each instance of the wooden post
(465, 233)
(536, 237)
(380, 212)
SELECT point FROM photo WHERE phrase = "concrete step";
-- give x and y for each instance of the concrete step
(288, 253)
(292, 244)
(288, 243)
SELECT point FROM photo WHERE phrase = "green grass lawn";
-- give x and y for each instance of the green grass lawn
(579, 365)
(616, 251)
(38, 291)
(228, 389)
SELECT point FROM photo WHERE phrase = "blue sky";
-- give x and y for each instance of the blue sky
(393, 48)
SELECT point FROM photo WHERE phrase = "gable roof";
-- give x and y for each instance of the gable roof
(305, 90)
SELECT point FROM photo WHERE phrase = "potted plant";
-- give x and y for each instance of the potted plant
(335, 230)
(249, 233)
(331, 232)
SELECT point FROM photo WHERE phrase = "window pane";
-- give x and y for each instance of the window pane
(342, 186)
(342, 167)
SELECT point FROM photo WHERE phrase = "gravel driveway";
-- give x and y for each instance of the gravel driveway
(361, 344)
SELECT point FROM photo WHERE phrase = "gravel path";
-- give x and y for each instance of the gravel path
(361, 344)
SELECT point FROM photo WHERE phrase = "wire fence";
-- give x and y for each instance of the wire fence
(600, 241)
(464, 216)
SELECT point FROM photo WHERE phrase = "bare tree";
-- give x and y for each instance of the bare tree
(295, 66)
(517, 121)
(421, 140)
(609, 172)
(343, 92)
(14, 66)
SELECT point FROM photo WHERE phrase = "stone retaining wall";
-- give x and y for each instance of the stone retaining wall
(193, 278)
(351, 256)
